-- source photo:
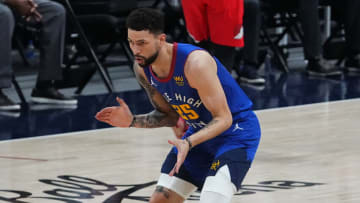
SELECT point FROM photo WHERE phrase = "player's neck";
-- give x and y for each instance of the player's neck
(162, 65)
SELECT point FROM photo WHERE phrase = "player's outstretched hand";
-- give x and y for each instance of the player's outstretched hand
(119, 116)
(183, 148)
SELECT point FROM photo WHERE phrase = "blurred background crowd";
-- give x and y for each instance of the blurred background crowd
(61, 44)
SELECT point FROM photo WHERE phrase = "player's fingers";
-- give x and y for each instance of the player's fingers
(172, 172)
(101, 117)
(177, 168)
(171, 142)
(108, 121)
(179, 162)
(103, 114)
(106, 110)
(121, 101)
(174, 143)
(100, 114)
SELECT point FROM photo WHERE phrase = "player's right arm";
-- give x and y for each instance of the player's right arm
(121, 116)
(162, 115)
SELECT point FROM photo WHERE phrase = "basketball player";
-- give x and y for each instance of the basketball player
(184, 81)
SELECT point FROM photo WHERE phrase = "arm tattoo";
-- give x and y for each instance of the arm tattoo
(149, 89)
(162, 190)
(153, 119)
(156, 118)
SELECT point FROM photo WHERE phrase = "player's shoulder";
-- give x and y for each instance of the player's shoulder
(199, 56)
(199, 60)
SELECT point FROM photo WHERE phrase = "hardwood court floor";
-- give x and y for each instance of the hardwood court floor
(307, 154)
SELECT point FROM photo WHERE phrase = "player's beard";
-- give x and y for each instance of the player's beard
(149, 60)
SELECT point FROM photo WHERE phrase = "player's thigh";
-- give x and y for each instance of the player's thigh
(228, 171)
(165, 195)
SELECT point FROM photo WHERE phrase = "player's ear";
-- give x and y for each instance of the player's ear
(162, 38)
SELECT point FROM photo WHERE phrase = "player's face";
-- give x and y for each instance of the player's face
(145, 46)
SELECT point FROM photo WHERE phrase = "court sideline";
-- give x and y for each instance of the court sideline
(308, 153)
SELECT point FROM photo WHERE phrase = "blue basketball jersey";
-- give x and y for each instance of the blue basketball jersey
(186, 102)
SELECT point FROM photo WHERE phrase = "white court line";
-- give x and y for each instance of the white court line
(306, 105)
(109, 128)
(56, 135)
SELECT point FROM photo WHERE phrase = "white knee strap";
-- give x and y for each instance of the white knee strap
(181, 187)
(221, 184)
(213, 197)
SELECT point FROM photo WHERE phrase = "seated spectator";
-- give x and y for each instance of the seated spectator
(51, 15)
(252, 23)
(309, 19)
(347, 12)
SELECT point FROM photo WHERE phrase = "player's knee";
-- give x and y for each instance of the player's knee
(158, 198)
(165, 195)
(218, 188)
(160, 195)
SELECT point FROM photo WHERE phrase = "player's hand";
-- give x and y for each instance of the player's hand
(183, 149)
(119, 116)
(180, 128)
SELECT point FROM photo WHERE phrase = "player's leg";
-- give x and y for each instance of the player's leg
(218, 188)
(165, 195)
(172, 189)
(225, 177)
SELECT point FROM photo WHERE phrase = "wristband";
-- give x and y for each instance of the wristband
(132, 122)
(189, 142)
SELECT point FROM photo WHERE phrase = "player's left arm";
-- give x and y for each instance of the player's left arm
(201, 73)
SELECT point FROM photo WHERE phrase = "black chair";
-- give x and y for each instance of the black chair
(24, 31)
(334, 46)
(18, 90)
(286, 20)
(94, 25)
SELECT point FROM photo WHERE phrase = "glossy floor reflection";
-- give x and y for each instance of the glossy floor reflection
(281, 90)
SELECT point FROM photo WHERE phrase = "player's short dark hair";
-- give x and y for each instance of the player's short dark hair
(146, 19)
